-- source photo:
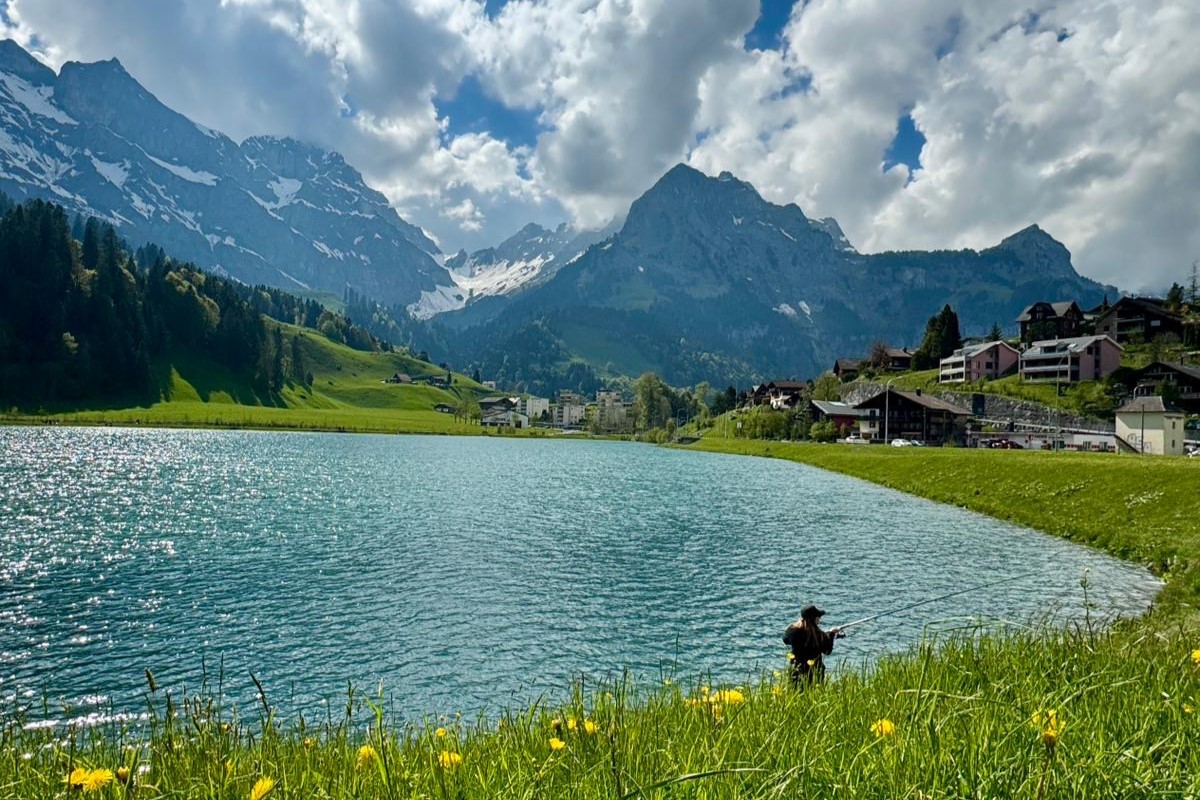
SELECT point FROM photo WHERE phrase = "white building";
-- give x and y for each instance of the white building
(611, 410)
(533, 407)
(1148, 425)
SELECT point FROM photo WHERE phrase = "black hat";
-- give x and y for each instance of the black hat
(811, 612)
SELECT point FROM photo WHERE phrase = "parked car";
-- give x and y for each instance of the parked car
(854, 438)
(1004, 444)
(901, 443)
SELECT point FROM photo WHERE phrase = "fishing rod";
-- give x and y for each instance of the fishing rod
(910, 606)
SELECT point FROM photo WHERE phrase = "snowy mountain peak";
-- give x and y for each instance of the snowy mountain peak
(272, 210)
(528, 258)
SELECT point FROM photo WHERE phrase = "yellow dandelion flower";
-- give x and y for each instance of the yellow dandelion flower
(777, 690)
(1188, 708)
(448, 759)
(666, 681)
(123, 774)
(1196, 657)
(791, 656)
(883, 727)
(440, 733)
(590, 727)
(309, 742)
(366, 754)
(76, 778)
(97, 779)
(730, 697)
(556, 724)
(1050, 736)
(262, 788)
(557, 744)
(812, 662)
(572, 724)
(1044, 718)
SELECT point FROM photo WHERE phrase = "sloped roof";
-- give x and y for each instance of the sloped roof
(1074, 345)
(972, 350)
(1183, 369)
(833, 408)
(1151, 404)
(1151, 304)
(928, 401)
(1060, 308)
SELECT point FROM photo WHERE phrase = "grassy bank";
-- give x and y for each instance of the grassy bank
(1064, 715)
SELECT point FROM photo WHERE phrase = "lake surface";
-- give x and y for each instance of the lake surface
(467, 573)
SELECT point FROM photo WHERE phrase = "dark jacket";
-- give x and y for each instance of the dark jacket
(808, 643)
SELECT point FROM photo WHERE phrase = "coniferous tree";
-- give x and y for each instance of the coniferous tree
(995, 334)
(91, 243)
(942, 338)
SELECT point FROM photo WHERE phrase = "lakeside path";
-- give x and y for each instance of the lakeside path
(1141, 509)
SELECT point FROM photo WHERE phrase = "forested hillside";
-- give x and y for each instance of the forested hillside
(85, 318)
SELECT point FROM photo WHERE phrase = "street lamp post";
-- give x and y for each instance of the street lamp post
(887, 396)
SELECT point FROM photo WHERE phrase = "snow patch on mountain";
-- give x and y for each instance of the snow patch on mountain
(438, 301)
(116, 174)
(285, 190)
(187, 173)
(35, 99)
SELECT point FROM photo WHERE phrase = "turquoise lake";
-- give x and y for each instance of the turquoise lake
(467, 573)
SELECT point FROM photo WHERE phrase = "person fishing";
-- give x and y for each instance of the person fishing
(809, 645)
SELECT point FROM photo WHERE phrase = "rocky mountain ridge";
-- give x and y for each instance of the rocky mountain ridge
(271, 210)
(706, 280)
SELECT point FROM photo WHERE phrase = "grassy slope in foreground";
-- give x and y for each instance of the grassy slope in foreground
(1143, 509)
(967, 719)
(347, 393)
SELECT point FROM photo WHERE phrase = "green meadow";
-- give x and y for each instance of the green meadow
(348, 393)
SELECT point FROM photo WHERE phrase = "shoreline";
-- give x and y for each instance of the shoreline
(1152, 520)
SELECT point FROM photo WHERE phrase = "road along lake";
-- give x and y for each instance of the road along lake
(468, 573)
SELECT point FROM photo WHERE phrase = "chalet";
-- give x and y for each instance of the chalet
(1084, 358)
(439, 380)
(1152, 426)
(444, 408)
(778, 394)
(843, 415)
(1180, 382)
(899, 359)
(983, 361)
(1051, 321)
(399, 377)
(501, 412)
(1138, 319)
(893, 414)
(847, 369)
